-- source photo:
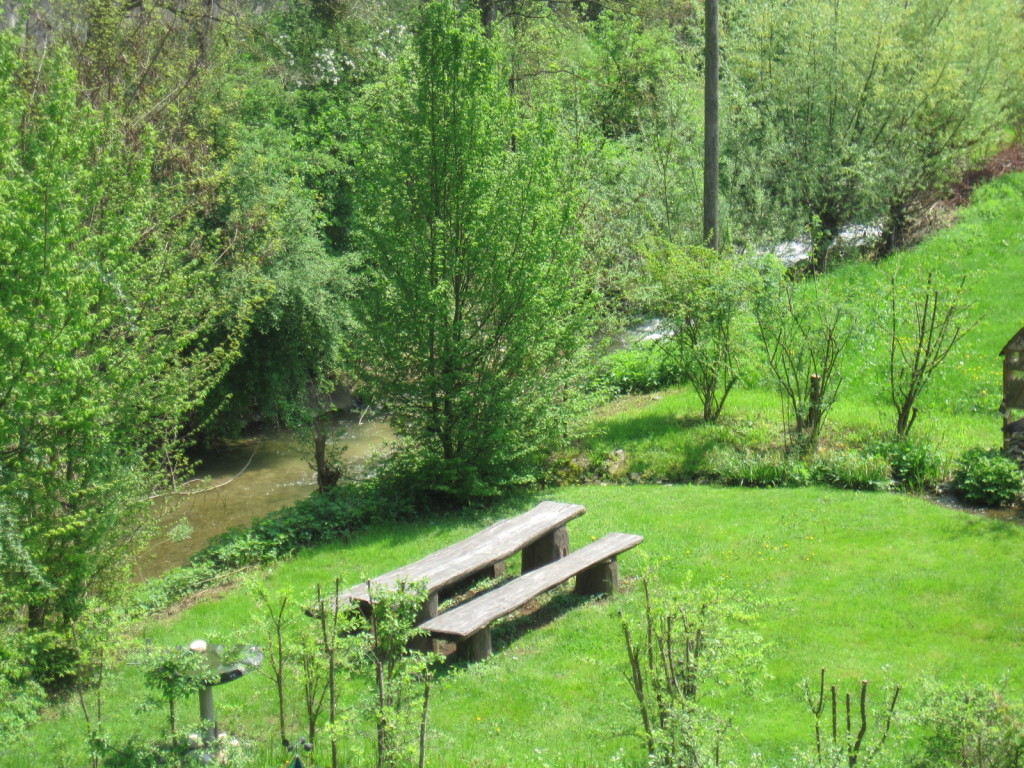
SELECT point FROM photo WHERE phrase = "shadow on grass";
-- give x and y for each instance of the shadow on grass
(995, 524)
(644, 426)
(538, 613)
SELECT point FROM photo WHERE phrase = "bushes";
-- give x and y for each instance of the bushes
(855, 471)
(988, 479)
(916, 466)
(755, 469)
(968, 724)
(646, 367)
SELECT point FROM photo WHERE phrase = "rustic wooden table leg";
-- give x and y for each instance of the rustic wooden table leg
(495, 571)
(548, 548)
(600, 579)
(427, 612)
(476, 647)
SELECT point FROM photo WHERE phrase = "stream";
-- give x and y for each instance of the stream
(247, 479)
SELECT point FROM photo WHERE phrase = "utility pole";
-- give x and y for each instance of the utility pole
(712, 238)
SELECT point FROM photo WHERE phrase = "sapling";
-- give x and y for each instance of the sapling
(843, 742)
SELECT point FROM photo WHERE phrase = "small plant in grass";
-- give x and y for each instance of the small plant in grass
(916, 466)
(760, 470)
(173, 673)
(987, 478)
(705, 295)
(924, 321)
(804, 335)
(377, 643)
(644, 367)
(682, 649)
(852, 470)
(174, 752)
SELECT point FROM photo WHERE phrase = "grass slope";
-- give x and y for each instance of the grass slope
(870, 585)
(663, 438)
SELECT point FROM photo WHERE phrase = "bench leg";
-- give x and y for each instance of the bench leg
(427, 612)
(476, 647)
(495, 571)
(600, 579)
(548, 548)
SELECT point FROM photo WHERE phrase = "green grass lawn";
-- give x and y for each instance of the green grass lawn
(872, 586)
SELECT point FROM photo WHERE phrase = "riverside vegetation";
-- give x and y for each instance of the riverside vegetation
(216, 213)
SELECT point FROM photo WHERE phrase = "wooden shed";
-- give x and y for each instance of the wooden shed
(1013, 396)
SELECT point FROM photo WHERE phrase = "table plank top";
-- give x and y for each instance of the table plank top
(474, 615)
(458, 561)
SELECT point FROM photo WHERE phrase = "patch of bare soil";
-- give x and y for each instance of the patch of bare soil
(942, 212)
(1010, 514)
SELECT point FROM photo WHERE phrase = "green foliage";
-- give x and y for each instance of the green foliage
(707, 297)
(473, 311)
(759, 470)
(682, 651)
(925, 321)
(381, 643)
(864, 105)
(804, 335)
(170, 752)
(968, 724)
(851, 469)
(987, 478)
(23, 696)
(174, 673)
(863, 741)
(644, 367)
(282, 215)
(916, 465)
(107, 309)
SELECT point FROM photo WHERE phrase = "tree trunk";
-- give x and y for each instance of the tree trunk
(712, 237)
(327, 474)
(37, 616)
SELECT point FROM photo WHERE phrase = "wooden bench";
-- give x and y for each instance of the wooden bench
(539, 534)
(595, 568)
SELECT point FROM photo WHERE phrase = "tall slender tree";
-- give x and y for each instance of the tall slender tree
(473, 311)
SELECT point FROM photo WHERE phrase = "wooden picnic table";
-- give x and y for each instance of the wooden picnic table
(595, 568)
(539, 534)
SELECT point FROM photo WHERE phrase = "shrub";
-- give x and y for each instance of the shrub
(966, 724)
(855, 471)
(987, 478)
(760, 470)
(645, 367)
(916, 466)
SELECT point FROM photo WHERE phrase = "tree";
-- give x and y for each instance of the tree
(804, 335)
(712, 233)
(925, 320)
(706, 296)
(867, 104)
(473, 309)
(106, 307)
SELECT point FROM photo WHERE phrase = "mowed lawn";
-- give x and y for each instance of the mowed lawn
(871, 586)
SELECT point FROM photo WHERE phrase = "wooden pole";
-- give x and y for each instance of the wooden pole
(712, 238)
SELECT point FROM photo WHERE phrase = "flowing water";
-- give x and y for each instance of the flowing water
(247, 479)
